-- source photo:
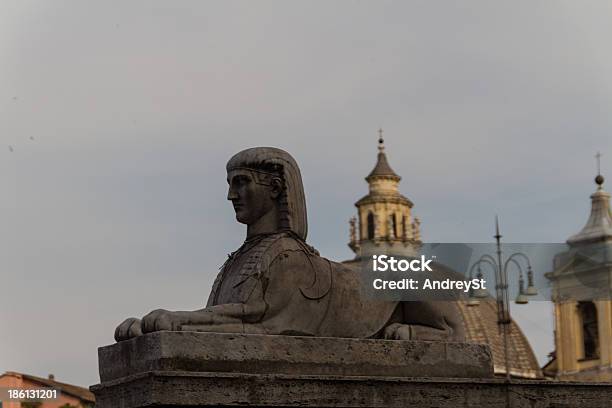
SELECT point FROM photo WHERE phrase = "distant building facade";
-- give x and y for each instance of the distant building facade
(70, 396)
(581, 287)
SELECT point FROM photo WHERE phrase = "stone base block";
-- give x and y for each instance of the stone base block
(190, 369)
(263, 354)
(183, 390)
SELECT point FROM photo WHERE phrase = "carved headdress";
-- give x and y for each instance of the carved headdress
(272, 162)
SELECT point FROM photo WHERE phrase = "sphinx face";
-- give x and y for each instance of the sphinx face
(250, 200)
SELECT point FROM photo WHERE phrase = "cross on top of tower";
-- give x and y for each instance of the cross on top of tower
(381, 141)
(599, 179)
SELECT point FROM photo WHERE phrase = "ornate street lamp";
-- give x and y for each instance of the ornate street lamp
(500, 270)
(531, 290)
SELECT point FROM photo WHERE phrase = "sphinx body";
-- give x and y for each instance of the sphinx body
(275, 283)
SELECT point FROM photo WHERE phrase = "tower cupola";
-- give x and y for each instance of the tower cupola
(384, 222)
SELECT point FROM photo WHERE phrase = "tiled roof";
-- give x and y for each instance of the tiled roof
(382, 168)
(599, 224)
(481, 327)
(79, 392)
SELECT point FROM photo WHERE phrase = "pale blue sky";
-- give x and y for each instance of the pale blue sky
(118, 205)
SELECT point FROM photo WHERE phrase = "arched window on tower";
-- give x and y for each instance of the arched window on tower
(590, 332)
(370, 225)
(404, 227)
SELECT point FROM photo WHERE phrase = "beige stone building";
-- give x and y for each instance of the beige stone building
(581, 288)
(385, 224)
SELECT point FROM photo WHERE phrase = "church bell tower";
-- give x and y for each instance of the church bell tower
(384, 223)
(581, 293)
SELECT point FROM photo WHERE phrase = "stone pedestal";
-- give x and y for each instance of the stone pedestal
(189, 369)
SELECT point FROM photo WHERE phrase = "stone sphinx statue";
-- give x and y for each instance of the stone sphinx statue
(276, 283)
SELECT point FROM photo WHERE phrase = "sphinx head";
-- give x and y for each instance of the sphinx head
(265, 184)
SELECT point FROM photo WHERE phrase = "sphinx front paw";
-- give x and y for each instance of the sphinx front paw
(161, 319)
(129, 328)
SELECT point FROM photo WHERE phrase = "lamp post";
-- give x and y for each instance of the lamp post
(500, 269)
